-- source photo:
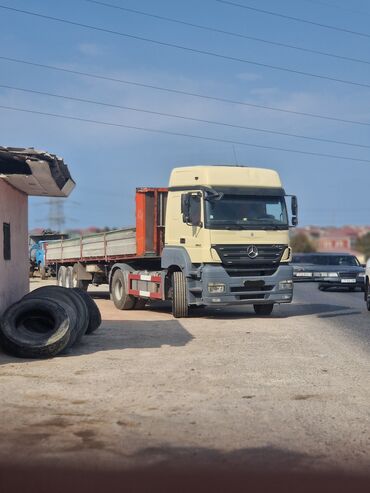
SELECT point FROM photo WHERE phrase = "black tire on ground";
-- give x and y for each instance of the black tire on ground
(78, 283)
(61, 278)
(92, 307)
(121, 299)
(35, 328)
(69, 273)
(263, 310)
(180, 305)
(322, 288)
(74, 301)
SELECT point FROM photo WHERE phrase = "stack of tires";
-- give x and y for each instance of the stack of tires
(48, 321)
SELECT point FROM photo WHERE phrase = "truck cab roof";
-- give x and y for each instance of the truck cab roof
(225, 175)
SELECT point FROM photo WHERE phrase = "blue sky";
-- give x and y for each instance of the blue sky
(108, 163)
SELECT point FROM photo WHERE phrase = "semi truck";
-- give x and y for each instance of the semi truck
(216, 236)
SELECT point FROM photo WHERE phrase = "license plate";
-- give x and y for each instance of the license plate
(348, 281)
(303, 274)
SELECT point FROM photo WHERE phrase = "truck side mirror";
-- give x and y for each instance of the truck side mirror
(185, 207)
(294, 210)
(191, 208)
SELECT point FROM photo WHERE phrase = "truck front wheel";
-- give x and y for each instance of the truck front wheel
(121, 299)
(180, 306)
(263, 310)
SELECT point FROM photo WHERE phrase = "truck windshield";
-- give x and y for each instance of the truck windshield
(233, 211)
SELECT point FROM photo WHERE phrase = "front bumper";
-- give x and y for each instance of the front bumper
(246, 290)
(342, 283)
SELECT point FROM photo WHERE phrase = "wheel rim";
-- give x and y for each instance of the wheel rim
(118, 290)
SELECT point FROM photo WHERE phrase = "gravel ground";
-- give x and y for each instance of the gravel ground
(221, 388)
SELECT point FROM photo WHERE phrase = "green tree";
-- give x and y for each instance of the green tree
(300, 243)
(363, 245)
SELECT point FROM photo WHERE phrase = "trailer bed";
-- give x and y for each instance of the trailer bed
(99, 246)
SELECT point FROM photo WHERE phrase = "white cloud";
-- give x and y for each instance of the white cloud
(90, 49)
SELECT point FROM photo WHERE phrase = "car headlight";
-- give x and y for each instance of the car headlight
(288, 284)
(361, 274)
(332, 274)
(216, 287)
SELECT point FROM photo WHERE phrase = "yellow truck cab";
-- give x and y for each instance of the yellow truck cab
(227, 230)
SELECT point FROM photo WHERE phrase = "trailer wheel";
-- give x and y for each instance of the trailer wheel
(78, 283)
(69, 274)
(121, 299)
(35, 329)
(180, 306)
(62, 273)
(263, 310)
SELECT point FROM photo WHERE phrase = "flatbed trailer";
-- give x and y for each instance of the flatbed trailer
(181, 250)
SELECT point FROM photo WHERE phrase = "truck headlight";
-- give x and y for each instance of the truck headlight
(216, 287)
(288, 284)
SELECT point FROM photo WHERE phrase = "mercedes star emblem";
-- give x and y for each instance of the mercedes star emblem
(252, 251)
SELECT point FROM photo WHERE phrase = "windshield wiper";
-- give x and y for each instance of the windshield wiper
(234, 226)
(275, 226)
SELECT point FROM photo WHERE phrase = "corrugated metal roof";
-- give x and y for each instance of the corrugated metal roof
(35, 172)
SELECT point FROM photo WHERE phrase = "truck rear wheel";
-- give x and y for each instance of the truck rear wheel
(263, 310)
(62, 272)
(121, 299)
(78, 283)
(180, 306)
(69, 274)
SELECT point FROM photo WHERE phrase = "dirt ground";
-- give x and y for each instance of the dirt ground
(221, 388)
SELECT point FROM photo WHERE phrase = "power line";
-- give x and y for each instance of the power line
(331, 5)
(229, 33)
(296, 19)
(191, 50)
(181, 134)
(184, 93)
(183, 117)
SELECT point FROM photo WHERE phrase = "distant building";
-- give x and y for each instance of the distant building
(330, 239)
(23, 172)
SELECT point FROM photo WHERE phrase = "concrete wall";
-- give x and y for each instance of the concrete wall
(14, 273)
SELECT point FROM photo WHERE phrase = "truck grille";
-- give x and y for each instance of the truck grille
(237, 263)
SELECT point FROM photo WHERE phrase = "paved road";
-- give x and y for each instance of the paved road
(223, 387)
